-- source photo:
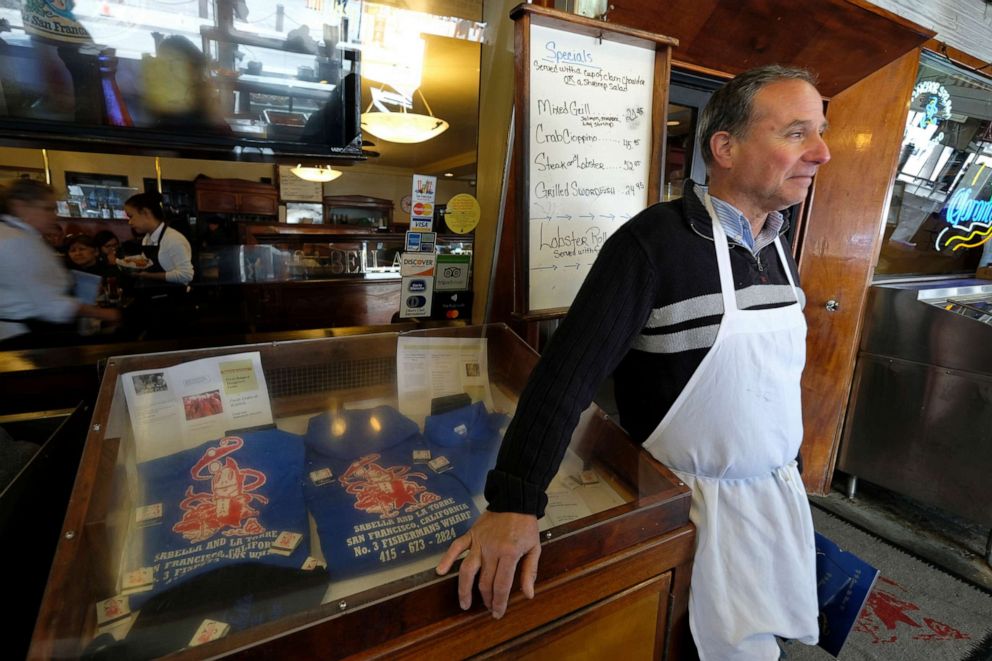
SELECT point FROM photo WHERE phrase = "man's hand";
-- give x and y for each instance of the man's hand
(495, 544)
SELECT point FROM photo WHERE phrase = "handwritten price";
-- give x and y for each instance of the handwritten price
(632, 189)
(634, 113)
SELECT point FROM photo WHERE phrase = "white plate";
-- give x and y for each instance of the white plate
(125, 263)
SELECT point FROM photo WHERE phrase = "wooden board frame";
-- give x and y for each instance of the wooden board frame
(526, 16)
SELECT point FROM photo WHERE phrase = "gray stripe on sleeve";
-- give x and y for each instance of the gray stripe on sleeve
(687, 310)
(756, 295)
(694, 338)
(712, 304)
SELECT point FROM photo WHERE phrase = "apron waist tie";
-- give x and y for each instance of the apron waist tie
(783, 472)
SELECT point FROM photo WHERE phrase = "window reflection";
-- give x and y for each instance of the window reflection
(678, 152)
(940, 216)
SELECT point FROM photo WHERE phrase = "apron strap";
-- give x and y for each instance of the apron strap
(722, 260)
(785, 265)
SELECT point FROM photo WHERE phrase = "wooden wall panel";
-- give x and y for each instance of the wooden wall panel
(842, 40)
(841, 245)
(495, 107)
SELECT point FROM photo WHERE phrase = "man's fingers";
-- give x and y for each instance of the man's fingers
(528, 571)
(466, 577)
(502, 584)
(457, 547)
(486, 578)
(495, 545)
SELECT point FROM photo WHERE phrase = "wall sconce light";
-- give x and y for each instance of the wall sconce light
(317, 174)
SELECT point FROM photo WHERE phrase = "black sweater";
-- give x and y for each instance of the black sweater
(648, 313)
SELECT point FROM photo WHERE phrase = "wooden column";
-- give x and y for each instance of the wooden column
(841, 245)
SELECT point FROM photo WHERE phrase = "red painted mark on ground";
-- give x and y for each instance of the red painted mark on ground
(884, 612)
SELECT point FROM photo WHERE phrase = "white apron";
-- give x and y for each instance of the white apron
(732, 436)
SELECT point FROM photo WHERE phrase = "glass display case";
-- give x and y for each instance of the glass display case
(296, 496)
(359, 211)
(88, 201)
(288, 253)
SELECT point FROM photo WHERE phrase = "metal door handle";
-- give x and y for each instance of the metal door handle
(832, 305)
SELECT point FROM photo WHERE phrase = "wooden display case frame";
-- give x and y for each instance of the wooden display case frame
(586, 565)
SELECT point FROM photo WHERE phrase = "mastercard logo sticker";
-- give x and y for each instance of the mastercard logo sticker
(422, 209)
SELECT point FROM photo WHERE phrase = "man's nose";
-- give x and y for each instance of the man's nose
(818, 151)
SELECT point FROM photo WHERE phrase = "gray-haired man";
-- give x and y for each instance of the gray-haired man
(694, 306)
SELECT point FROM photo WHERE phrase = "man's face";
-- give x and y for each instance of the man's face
(774, 162)
(40, 214)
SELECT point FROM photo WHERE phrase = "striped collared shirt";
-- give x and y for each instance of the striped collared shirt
(738, 228)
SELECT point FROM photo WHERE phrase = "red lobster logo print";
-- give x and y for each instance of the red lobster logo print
(385, 491)
(228, 503)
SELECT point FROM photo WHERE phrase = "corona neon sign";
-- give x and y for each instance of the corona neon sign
(969, 222)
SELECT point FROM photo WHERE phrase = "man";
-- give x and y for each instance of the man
(693, 306)
(34, 285)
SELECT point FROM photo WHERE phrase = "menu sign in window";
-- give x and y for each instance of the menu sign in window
(589, 144)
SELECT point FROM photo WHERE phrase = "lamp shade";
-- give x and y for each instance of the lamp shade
(403, 127)
(319, 174)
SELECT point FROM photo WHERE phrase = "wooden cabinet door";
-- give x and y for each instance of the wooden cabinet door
(629, 625)
(215, 201)
(260, 204)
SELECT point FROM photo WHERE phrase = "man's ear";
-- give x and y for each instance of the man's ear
(722, 146)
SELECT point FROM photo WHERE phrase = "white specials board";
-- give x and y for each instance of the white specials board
(588, 151)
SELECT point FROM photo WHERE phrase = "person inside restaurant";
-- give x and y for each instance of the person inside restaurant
(109, 246)
(82, 254)
(161, 273)
(36, 302)
(167, 251)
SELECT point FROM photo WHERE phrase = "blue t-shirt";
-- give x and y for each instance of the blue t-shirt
(223, 503)
(377, 507)
(469, 438)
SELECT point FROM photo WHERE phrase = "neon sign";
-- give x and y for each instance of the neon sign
(937, 107)
(969, 222)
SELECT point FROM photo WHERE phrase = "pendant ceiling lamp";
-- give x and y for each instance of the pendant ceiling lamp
(402, 127)
(317, 173)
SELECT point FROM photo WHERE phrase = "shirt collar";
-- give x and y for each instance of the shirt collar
(156, 236)
(736, 225)
(19, 224)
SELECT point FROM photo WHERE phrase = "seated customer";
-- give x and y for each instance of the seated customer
(82, 254)
(109, 245)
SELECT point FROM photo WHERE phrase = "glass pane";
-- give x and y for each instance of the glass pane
(678, 152)
(940, 216)
(223, 73)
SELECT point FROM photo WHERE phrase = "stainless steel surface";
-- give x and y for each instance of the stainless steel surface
(852, 486)
(923, 431)
(920, 418)
(903, 321)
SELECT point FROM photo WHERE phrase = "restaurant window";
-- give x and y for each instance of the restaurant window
(687, 96)
(940, 214)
